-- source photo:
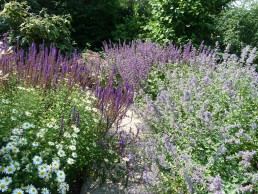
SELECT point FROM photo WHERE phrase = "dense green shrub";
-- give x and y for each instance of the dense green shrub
(181, 21)
(26, 27)
(238, 26)
(131, 26)
(93, 21)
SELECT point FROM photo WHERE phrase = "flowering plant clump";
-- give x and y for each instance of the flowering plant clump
(39, 145)
(133, 62)
(204, 121)
(55, 120)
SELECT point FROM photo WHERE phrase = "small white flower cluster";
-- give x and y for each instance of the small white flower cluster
(51, 173)
(5, 101)
(4, 183)
(27, 125)
(62, 150)
(26, 89)
(51, 123)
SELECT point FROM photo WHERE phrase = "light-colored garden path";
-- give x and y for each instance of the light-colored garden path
(91, 187)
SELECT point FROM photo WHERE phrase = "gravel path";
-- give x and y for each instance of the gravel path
(92, 186)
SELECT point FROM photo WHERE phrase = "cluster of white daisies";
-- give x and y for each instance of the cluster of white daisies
(18, 159)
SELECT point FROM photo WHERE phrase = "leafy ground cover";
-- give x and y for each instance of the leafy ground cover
(61, 119)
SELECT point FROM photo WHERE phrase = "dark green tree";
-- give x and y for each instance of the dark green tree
(183, 20)
(21, 24)
(238, 25)
(92, 21)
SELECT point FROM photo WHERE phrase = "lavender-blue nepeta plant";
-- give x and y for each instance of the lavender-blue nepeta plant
(204, 120)
(134, 61)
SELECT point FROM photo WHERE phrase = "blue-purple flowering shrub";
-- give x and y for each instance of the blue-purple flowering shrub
(134, 62)
(204, 123)
(56, 116)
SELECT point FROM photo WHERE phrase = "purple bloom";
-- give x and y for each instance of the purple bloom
(216, 184)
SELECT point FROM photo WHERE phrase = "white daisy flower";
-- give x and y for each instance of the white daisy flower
(16, 165)
(9, 169)
(60, 173)
(3, 186)
(95, 120)
(37, 160)
(74, 155)
(39, 135)
(14, 111)
(56, 127)
(7, 180)
(73, 142)
(61, 153)
(70, 161)
(10, 145)
(60, 176)
(4, 150)
(49, 125)
(64, 186)
(55, 164)
(67, 135)
(51, 143)
(15, 150)
(72, 147)
(59, 146)
(48, 177)
(94, 110)
(74, 135)
(45, 191)
(35, 144)
(23, 141)
(32, 190)
(53, 120)
(42, 173)
(28, 114)
(28, 188)
(14, 137)
(26, 125)
(75, 129)
(87, 108)
(24, 159)
(13, 118)
(43, 167)
(17, 191)
(4, 101)
(17, 131)
(7, 157)
(28, 168)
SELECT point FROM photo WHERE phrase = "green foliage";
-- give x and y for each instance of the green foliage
(155, 79)
(180, 21)
(136, 16)
(93, 21)
(238, 26)
(17, 20)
